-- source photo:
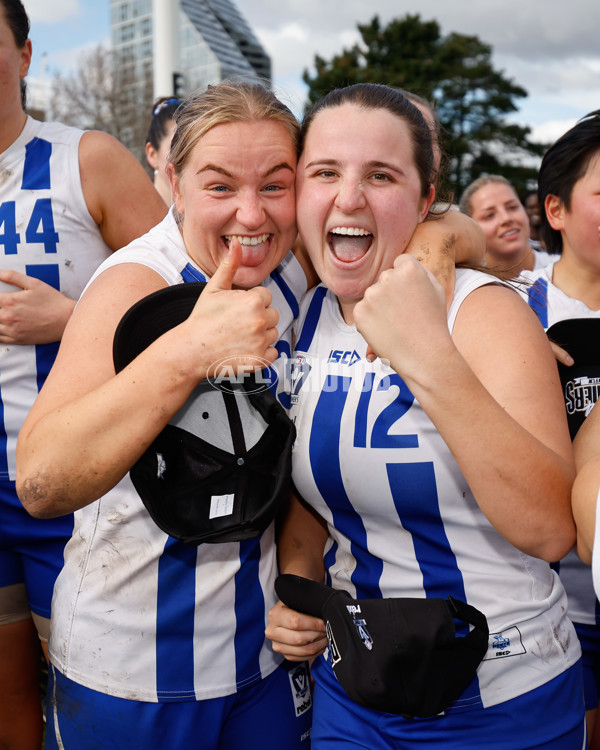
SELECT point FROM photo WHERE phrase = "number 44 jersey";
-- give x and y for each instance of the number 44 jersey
(46, 232)
(402, 519)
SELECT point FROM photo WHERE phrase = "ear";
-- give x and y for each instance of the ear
(175, 181)
(555, 212)
(426, 205)
(151, 156)
(26, 52)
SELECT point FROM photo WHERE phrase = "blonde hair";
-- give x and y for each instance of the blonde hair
(229, 101)
(465, 199)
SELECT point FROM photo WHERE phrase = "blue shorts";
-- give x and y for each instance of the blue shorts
(31, 550)
(551, 717)
(589, 637)
(274, 714)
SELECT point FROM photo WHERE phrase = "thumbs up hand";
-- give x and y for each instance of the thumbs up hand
(235, 327)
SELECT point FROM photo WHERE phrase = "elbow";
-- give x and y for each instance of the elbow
(35, 498)
(552, 547)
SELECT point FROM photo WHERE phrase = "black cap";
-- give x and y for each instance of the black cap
(220, 470)
(402, 655)
(580, 381)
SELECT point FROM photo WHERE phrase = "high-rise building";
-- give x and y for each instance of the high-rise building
(210, 41)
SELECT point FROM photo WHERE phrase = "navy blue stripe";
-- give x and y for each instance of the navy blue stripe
(189, 273)
(249, 613)
(287, 292)
(414, 490)
(175, 607)
(312, 318)
(324, 451)
(537, 296)
(36, 169)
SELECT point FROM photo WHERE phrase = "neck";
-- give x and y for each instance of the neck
(513, 264)
(11, 128)
(577, 280)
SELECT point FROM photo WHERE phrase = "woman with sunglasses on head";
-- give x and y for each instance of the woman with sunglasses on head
(158, 144)
(68, 199)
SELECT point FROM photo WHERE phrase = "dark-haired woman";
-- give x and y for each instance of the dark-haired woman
(441, 468)
(158, 143)
(67, 200)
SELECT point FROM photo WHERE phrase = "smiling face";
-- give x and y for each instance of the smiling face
(359, 197)
(239, 182)
(498, 210)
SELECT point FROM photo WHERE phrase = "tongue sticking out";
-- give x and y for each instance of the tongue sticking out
(349, 248)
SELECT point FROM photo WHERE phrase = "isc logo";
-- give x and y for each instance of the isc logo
(343, 358)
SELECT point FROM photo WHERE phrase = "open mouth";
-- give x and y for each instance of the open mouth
(254, 247)
(349, 244)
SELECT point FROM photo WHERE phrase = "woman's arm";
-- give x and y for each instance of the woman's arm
(444, 241)
(88, 426)
(492, 390)
(585, 500)
(119, 194)
(300, 550)
(122, 201)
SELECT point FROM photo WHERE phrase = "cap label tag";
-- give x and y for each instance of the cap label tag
(221, 505)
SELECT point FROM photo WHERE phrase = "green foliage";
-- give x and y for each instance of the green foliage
(455, 74)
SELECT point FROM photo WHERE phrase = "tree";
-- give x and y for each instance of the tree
(93, 97)
(456, 75)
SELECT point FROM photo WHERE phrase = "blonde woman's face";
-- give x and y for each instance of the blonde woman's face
(239, 182)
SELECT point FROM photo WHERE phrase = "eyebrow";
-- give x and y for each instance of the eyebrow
(225, 173)
(366, 165)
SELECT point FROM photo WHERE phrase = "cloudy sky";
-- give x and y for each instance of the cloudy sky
(550, 48)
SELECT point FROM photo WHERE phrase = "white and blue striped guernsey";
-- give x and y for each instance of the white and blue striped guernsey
(46, 232)
(402, 518)
(139, 615)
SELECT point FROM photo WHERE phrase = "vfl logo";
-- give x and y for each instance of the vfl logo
(300, 685)
(344, 358)
(361, 626)
(300, 371)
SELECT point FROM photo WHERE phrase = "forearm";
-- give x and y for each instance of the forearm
(75, 453)
(302, 541)
(511, 473)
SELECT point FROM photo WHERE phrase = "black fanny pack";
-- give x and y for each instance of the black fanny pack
(402, 655)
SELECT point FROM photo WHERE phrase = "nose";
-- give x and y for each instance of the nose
(350, 196)
(504, 216)
(250, 212)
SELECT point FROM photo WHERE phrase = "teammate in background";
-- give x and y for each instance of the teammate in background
(158, 143)
(67, 200)
(493, 203)
(403, 466)
(531, 204)
(569, 182)
(232, 169)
